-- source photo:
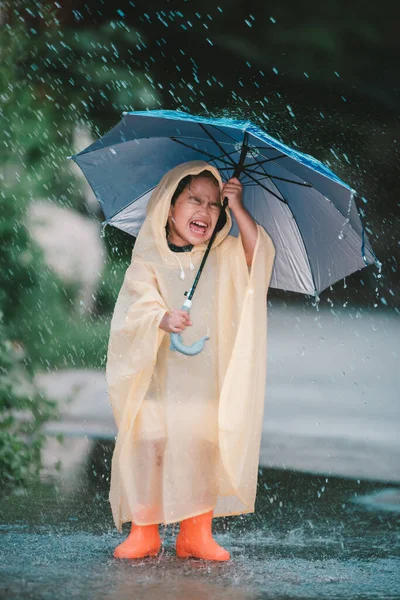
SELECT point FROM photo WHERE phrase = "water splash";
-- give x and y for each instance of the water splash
(103, 226)
(378, 276)
(341, 234)
(316, 300)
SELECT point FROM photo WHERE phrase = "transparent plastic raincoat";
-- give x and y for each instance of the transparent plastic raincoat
(189, 427)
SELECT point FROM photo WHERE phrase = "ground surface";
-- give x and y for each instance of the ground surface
(327, 523)
(311, 537)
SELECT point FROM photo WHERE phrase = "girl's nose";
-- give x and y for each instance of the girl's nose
(205, 210)
(203, 214)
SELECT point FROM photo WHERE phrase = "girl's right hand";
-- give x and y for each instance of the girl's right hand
(175, 321)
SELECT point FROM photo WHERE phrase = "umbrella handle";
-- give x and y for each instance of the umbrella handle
(177, 342)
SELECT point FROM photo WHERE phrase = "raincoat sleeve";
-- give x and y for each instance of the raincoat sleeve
(135, 337)
(242, 360)
(238, 282)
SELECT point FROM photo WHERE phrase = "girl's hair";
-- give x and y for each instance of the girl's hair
(186, 181)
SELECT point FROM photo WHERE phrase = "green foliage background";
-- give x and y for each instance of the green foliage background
(76, 62)
(38, 114)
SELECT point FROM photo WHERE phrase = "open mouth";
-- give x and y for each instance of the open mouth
(198, 227)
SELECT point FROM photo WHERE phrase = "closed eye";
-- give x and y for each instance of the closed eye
(198, 200)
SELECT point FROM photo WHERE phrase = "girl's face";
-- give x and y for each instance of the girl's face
(193, 217)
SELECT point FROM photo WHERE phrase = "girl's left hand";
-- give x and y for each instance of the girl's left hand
(233, 190)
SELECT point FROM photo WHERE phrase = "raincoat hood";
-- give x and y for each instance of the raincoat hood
(151, 242)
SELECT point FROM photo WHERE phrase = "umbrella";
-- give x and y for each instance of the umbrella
(308, 211)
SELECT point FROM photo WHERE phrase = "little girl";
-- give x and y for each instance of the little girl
(189, 427)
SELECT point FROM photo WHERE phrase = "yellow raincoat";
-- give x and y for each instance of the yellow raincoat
(189, 427)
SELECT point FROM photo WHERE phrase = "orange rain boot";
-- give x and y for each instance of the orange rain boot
(142, 541)
(195, 539)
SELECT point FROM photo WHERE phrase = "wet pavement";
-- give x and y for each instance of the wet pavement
(311, 537)
(332, 394)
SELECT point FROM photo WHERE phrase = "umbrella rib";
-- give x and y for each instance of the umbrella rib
(333, 204)
(263, 148)
(216, 142)
(283, 199)
(246, 168)
(193, 137)
(282, 179)
(276, 195)
(318, 192)
(260, 162)
(266, 189)
(275, 186)
(244, 171)
(224, 132)
(175, 138)
(197, 149)
(236, 141)
(306, 166)
(220, 158)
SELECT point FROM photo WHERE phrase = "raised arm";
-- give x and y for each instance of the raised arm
(233, 190)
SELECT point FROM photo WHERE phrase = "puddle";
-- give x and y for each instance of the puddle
(311, 537)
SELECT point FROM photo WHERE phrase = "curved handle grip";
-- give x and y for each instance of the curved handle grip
(177, 342)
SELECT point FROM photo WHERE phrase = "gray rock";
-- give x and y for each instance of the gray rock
(72, 247)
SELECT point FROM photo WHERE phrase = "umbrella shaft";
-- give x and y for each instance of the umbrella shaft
(236, 173)
(192, 289)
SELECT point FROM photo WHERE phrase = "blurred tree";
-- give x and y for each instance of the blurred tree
(50, 79)
(23, 410)
(79, 61)
(82, 61)
(89, 62)
(20, 438)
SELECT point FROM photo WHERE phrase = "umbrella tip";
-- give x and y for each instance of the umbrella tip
(103, 226)
(124, 112)
(317, 300)
(69, 157)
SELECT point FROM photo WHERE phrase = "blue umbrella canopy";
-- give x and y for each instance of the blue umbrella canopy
(308, 211)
